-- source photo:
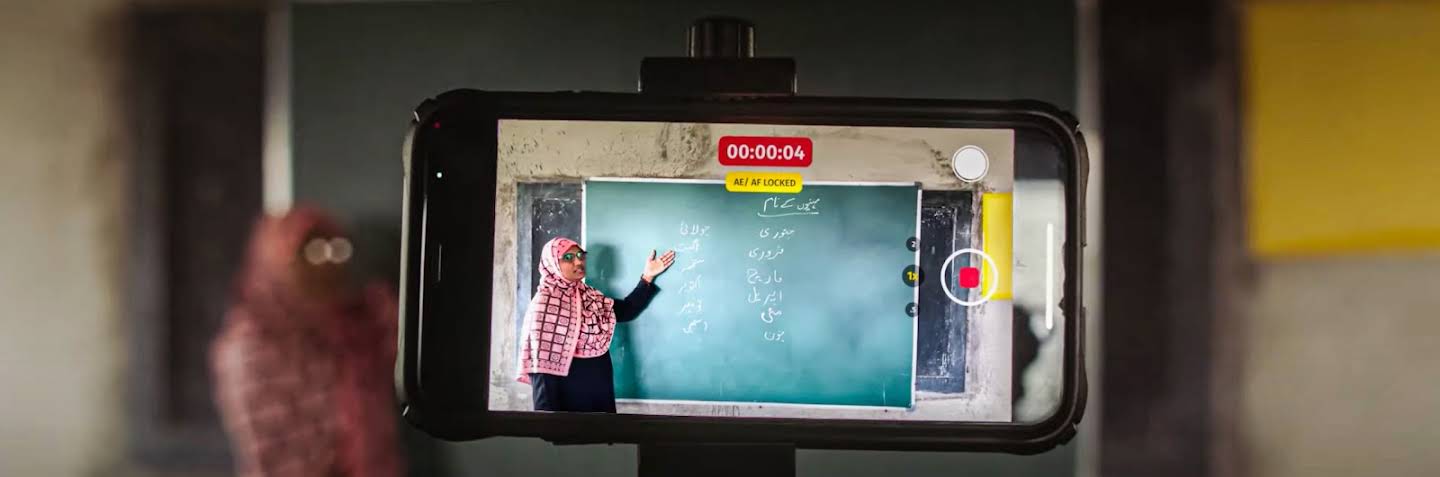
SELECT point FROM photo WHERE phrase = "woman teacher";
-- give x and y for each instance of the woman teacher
(565, 355)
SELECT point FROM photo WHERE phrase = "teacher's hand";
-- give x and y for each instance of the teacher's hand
(655, 266)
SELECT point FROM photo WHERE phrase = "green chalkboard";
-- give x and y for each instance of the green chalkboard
(783, 298)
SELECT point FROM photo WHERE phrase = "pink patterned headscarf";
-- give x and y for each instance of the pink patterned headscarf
(566, 319)
(304, 384)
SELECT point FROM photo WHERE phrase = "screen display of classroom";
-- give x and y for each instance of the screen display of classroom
(760, 270)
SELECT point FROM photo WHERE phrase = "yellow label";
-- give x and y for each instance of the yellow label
(996, 224)
(771, 182)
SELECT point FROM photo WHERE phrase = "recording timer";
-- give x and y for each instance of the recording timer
(765, 151)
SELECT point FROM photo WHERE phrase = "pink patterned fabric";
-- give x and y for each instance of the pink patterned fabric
(565, 320)
(304, 385)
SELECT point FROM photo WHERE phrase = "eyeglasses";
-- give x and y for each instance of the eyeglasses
(571, 256)
(333, 250)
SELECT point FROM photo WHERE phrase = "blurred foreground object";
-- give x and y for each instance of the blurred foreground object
(303, 363)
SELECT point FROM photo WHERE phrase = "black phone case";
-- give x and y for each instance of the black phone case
(442, 375)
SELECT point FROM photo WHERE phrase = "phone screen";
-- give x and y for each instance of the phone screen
(776, 271)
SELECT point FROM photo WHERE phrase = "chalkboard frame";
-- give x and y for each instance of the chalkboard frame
(438, 369)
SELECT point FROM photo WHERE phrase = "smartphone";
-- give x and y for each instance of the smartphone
(819, 272)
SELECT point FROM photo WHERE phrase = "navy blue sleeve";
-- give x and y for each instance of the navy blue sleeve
(634, 303)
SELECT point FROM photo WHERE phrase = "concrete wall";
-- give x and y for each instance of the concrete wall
(60, 202)
(1340, 368)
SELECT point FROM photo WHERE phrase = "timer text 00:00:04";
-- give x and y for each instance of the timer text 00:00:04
(765, 152)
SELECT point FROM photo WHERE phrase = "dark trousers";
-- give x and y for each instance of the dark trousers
(590, 387)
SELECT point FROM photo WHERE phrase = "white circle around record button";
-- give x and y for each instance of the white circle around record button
(970, 163)
(994, 275)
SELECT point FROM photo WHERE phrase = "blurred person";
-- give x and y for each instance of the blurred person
(303, 364)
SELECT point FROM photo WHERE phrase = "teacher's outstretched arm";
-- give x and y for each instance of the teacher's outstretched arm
(630, 308)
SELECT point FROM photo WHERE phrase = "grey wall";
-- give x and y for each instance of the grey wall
(62, 198)
(358, 70)
(1369, 323)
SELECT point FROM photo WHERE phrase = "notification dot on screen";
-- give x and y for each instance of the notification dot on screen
(970, 163)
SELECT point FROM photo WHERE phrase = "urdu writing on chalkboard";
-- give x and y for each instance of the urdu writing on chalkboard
(766, 291)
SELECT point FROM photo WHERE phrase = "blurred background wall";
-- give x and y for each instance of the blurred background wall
(1341, 339)
(102, 340)
(358, 69)
(61, 339)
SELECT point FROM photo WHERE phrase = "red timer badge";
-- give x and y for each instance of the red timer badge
(766, 151)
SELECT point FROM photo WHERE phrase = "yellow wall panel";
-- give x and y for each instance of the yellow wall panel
(1342, 121)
